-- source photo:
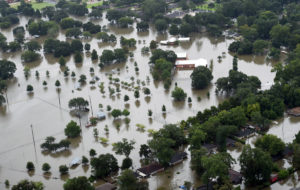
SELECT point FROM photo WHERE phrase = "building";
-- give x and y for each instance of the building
(100, 115)
(245, 133)
(211, 148)
(150, 169)
(181, 56)
(191, 64)
(235, 177)
(177, 158)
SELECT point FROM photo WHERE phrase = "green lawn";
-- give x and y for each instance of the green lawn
(35, 5)
(205, 7)
(39, 6)
(94, 4)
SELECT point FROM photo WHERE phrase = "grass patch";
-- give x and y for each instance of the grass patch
(205, 7)
(94, 4)
(34, 4)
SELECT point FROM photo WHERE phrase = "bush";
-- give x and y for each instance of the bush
(63, 169)
(283, 174)
(127, 163)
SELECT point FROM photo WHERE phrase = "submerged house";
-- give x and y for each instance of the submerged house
(235, 177)
(177, 158)
(150, 169)
(245, 133)
(191, 64)
(211, 148)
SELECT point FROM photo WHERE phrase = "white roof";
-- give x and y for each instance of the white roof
(184, 39)
(75, 161)
(181, 54)
(164, 42)
(196, 62)
(173, 39)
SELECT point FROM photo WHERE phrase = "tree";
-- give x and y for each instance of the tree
(78, 57)
(57, 83)
(178, 94)
(201, 77)
(29, 88)
(126, 163)
(296, 157)
(92, 153)
(46, 167)
(125, 112)
(196, 159)
(147, 91)
(161, 25)
(150, 113)
(145, 151)
(216, 166)
(142, 26)
(82, 79)
(94, 55)
(84, 160)
(153, 44)
(32, 45)
(63, 169)
(163, 109)
(124, 147)
(107, 56)
(136, 94)
(78, 183)
(174, 30)
(162, 149)
(280, 35)
(72, 130)
(62, 61)
(30, 166)
(256, 165)
(76, 46)
(104, 165)
(7, 69)
(116, 113)
(127, 180)
(28, 185)
(126, 98)
(64, 143)
(73, 32)
(123, 22)
(78, 103)
(270, 143)
(29, 56)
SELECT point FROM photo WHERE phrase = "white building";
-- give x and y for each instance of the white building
(186, 64)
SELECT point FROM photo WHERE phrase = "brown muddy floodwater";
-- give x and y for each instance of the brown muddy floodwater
(42, 111)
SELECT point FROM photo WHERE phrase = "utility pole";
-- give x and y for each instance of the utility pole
(91, 105)
(33, 142)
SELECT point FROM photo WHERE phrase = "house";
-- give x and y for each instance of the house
(150, 169)
(230, 142)
(106, 186)
(285, 153)
(75, 162)
(181, 56)
(245, 133)
(177, 158)
(100, 115)
(211, 148)
(191, 64)
(186, 39)
(235, 177)
(294, 111)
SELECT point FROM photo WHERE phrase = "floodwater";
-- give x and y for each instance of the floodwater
(42, 110)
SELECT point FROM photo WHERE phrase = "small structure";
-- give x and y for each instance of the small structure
(75, 162)
(187, 39)
(177, 158)
(106, 186)
(294, 111)
(150, 169)
(211, 148)
(181, 56)
(230, 142)
(273, 178)
(191, 64)
(245, 133)
(100, 115)
(235, 177)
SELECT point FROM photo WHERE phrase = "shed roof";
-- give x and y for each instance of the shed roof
(149, 169)
(178, 156)
(196, 62)
(181, 54)
(235, 177)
